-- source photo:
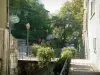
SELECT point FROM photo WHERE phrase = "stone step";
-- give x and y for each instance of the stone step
(84, 73)
(83, 67)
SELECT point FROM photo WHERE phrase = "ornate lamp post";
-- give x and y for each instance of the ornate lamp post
(27, 27)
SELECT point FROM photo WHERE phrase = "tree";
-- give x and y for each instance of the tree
(30, 11)
(69, 21)
(76, 15)
(62, 28)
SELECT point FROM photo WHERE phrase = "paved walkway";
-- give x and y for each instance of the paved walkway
(83, 67)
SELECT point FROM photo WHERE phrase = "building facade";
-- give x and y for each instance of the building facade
(8, 45)
(91, 30)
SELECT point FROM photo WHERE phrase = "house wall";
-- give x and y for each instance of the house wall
(3, 38)
(13, 55)
(98, 32)
(8, 53)
(93, 32)
(3, 13)
(85, 30)
(8, 45)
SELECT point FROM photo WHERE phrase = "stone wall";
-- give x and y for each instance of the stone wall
(1, 49)
(8, 53)
(93, 36)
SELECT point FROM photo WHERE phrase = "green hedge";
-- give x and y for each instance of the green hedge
(67, 53)
(59, 65)
(35, 48)
(44, 55)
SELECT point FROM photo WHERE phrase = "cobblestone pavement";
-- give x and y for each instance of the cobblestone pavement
(83, 67)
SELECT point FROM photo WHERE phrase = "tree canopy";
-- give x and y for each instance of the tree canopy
(74, 12)
(34, 13)
(68, 22)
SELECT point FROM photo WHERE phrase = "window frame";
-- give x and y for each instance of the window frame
(92, 8)
(94, 44)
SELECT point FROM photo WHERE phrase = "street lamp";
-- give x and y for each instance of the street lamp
(27, 27)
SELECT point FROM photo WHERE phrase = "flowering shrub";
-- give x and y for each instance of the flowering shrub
(68, 52)
(34, 49)
(44, 55)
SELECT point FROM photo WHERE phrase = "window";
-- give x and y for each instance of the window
(92, 7)
(94, 44)
(87, 3)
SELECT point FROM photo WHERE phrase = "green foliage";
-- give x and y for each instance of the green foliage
(27, 68)
(59, 65)
(75, 9)
(68, 22)
(68, 52)
(35, 48)
(55, 44)
(73, 52)
(34, 13)
(44, 55)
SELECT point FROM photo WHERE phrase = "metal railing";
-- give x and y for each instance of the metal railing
(63, 71)
(24, 54)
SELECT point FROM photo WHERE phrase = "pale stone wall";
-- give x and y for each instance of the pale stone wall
(8, 53)
(8, 45)
(85, 30)
(1, 42)
(13, 55)
(3, 13)
(1, 49)
(94, 32)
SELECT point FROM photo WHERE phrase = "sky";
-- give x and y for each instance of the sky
(53, 5)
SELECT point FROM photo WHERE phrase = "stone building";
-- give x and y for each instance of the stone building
(91, 31)
(8, 44)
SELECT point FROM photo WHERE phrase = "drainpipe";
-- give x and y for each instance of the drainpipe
(9, 37)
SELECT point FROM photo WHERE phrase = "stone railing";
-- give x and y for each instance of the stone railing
(13, 55)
